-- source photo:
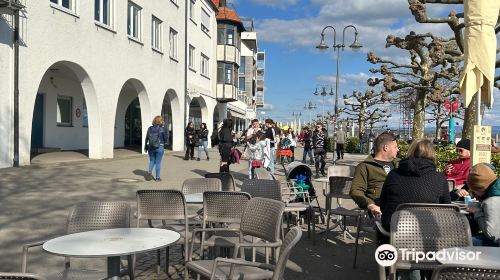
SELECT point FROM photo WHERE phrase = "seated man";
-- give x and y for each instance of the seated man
(371, 173)
(458, 169)
(485, 186)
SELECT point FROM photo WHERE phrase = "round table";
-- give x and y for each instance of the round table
(194, 198)
(111, 243)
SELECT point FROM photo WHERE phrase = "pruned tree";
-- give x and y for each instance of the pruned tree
(431, 58)
(358, 104)
(456, 23)
(375, 117)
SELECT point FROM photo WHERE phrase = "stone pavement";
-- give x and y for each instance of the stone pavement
(34, 203)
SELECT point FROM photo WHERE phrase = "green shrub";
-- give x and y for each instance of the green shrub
(495, 161)
(403, 149)
(329, 144)
(352, 145)
(443, 155)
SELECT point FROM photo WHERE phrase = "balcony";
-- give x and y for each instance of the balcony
(260, 84)
(12, 4)
(226, 93)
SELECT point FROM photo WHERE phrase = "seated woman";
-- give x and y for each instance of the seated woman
(414, 181)
(485, 186)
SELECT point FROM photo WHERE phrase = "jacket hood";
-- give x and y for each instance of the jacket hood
(416, 166)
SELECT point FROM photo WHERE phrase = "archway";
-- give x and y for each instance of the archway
(133, 116)
(198, 111)
(66, 114)
(170, 111)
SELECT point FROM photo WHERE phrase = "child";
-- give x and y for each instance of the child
(256, 151)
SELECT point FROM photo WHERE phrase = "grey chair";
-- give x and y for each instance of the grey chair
(225, 210)
(339, 188)
(262, 188)
(262, 173)
(261, 219)
(427, 230)
(471, 272)
(428, 206)
(19, 276)
(169, 206)
(88, 216)
(227, 180)
(199, 185)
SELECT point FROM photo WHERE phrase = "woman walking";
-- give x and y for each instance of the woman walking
(319, 148)
(225, 144)
(203, 141)
(189, 135)
(156, 137)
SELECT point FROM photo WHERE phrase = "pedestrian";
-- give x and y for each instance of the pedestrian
(156, 138)
(190, 138)
(256, 152)
(458, 169)
(307, 139)
(485, 186)
(319, 148)
(415, 180)
(340, 139)
(202, 137)
(370, 174)
(251, 131)
(293, 139)
(225, 144)
(272, 135)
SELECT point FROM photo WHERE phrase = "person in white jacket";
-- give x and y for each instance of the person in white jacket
(257, 155)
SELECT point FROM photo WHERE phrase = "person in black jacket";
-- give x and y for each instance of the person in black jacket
(225, 144)
(319, 148)
(190, 137)
(414, 181)
(203, 140)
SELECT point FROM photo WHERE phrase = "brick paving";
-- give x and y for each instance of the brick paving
(34, 203)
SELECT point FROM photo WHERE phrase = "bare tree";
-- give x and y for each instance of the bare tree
(456, 23)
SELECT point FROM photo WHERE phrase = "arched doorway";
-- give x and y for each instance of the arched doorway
(198, 111)
(169, 109)
(65, 113)
(132, 115)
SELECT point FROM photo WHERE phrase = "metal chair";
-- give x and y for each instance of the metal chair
(471, 272)
(224, 268)
(224, 208)
(199, 185)
(428, 206)
(341, 170)
(339, 188)
(262, 173)
(88, 216)
(261, 219)
(227, 180)
(425, 230)
(164, 205)
(19, 276)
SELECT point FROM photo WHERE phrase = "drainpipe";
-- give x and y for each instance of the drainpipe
(185, 63)
(16, 88)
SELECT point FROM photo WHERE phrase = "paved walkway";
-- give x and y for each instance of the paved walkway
(34, 203)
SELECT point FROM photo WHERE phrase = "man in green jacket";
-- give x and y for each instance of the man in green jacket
(370, 175)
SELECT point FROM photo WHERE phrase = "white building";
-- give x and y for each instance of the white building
(92, 74)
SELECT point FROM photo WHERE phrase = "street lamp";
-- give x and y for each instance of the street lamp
(323, 46)
(310, 106)
(323, 93)
(295, 117)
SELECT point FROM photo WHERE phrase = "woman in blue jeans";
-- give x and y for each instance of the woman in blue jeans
(156, 138)
(203, 141)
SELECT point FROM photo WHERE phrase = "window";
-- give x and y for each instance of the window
(221, 35)
(205, 21)
(242, 64)
(242, 83)
(102, 11)
(64, 110)
(68, 4)
(205, 66)
(227, 73)
(191, 9)
(191, 57)
(230, 36)
(156, 37)
(227, 34)
(134, 21)
(173, 43)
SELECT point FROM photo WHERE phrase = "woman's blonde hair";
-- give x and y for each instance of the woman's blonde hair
(158, 120)
(422, 149)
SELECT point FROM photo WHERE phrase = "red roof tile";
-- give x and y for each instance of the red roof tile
(228, 14)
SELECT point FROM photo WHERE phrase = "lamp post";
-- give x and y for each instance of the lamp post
(323, 93)
(310, 106)
(322, 46)
(295, 117)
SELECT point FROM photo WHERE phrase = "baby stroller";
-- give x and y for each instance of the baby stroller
(298, 175)
(284, 152)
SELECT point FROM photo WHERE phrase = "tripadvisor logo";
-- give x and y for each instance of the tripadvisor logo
(387, 255)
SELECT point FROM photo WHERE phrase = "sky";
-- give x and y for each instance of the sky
(289, 30)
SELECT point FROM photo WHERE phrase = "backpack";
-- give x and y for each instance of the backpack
(154, 139)
(285, 144)
(214, 138)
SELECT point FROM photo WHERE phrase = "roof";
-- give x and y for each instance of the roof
(226, 13)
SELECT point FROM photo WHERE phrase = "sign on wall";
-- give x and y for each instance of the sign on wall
(481, 141)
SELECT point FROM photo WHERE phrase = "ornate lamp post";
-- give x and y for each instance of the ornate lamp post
(322, 46)
(310, 106)
(323, 93)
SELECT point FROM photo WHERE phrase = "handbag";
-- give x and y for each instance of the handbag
(257, 163)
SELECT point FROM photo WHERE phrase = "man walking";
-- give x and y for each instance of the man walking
(370, 174)
(306, 139)
(340, 139)
(319, 147)
(271, 135)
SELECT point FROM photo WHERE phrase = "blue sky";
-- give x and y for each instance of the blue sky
(289, 30)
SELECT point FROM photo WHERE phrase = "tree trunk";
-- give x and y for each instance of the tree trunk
(361, 122)
(470, 119)
(438, 121)
(419, 116)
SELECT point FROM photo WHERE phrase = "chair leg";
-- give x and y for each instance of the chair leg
(186, 273)
(131, 267)
(381, 273)
(358, 225)
(158, 265)
(167, 259)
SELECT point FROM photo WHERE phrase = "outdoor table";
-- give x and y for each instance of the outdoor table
(110, 243)
(194, 198)
(489, 257)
